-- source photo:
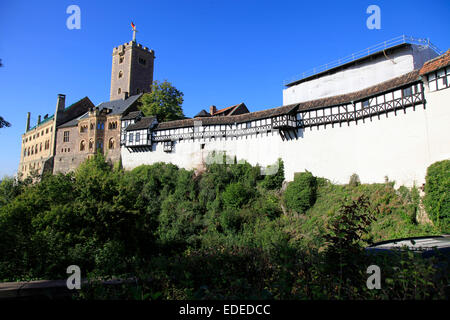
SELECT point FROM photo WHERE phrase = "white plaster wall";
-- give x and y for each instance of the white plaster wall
(361, 76)
(400, 147)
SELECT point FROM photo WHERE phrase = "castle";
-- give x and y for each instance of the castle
(380, 112)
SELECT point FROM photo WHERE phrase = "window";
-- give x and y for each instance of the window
(46, 130)
(202, 146)
(100, 126)
(82, 145)
(111, 143)
(120, 59)
(120, 74)
(112, 125)
(138, 136)
(407, 92)
(91, 144)
(142, 61)
(365, 103)
(100, 145)
(130, 137)
(119, 91)
(40, 147)
(66, 136)
(439, 80)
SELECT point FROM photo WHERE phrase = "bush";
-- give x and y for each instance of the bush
(275, 180)
(437, 194)
(354, 180)
(301, 193)
(236, 195)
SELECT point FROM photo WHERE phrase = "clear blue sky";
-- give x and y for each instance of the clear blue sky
(216, 52)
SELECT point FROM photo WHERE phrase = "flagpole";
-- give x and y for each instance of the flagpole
(134, 31)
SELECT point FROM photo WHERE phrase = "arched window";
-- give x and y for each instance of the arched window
(82, 145)
(111, 143)
(119, 91)
(120, 74)
(91, 144)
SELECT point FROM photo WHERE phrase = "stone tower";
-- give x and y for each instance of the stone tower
(132, 70)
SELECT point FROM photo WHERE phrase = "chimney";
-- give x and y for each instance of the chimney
(39, 119)
(212, 110)
(28, 121)
(61, 102)
(60, 105)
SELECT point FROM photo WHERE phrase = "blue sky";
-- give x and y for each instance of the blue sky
(216, 52)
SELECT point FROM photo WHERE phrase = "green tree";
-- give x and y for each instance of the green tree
(437, 194)
(3, 122)
(164, 101)
(300, 194)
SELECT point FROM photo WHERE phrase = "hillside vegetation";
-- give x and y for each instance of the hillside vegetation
(227, 232)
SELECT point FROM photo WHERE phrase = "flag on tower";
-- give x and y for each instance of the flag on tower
(132, 25)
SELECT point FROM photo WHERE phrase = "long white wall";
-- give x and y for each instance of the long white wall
(400, 147)
(360, 76)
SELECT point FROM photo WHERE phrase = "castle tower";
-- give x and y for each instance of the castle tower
(132, 69)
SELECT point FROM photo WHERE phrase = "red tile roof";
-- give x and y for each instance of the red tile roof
(436, 63)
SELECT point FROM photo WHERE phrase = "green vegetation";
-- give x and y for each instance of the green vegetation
(301, 194)
(437, 198)
(227, 232)
(164, 101)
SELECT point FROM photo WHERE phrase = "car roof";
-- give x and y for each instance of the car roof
(415, 243)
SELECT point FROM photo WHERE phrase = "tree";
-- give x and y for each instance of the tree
(300, 194)
(3, 122)
(164, 101)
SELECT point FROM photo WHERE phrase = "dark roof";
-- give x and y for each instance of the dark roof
(202, 113)
(308, 105)
(132, 115)
(73, 122)
(83, 103)
(436, 63)
(144, 123)
(119, 106)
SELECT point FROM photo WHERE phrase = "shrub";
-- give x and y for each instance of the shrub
(275, 180)
(300, 194)
(354, 180)
(236, 195)
(437, 194)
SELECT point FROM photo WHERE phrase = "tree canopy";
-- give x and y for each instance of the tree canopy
(164, 101)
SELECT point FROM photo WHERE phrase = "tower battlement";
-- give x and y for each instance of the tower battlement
(129, 45)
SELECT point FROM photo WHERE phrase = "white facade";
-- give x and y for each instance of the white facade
(360, 75)
(399, 144)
